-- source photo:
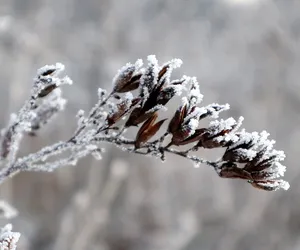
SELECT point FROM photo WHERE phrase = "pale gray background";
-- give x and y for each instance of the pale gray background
(246, 55)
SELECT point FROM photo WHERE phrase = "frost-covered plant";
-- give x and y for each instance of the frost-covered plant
(8, 239)
(138, 97)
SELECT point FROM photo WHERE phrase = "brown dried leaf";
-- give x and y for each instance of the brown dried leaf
(255, 164)
(235, 156)
(135, 78)
(262, 175)
(133, 116)
(47, 90)
(247, 145)
(194, 137)
(123, 109)
(177, 119)
(209, 113)
(209, 141)
(180, 135)
(48, 72)
(163, 71)
(123, 78)
(266, 163)
(178, 82)
(151, 101)
(148, 130)
(117, 97)
(137, 116)
(143, 117)
(165, 95)
(232, 171)
(265, 185)
(133, 84)
(113, 118)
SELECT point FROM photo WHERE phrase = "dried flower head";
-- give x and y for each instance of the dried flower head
(156, 90)
(128, 77)
(252, 157)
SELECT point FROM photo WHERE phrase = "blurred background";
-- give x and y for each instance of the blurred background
(244, 52)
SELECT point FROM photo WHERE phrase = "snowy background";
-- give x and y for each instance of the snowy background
(244, 52)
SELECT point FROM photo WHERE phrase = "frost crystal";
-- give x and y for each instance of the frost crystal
(223, 124)
(138, 64)
(101, 93)
(128, 96)
(197, 165)
(80, 113)
(152, 60)
(195, 95)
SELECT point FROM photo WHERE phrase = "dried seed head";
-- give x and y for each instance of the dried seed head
(48, 79)
(261, 164)
(219, 134)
